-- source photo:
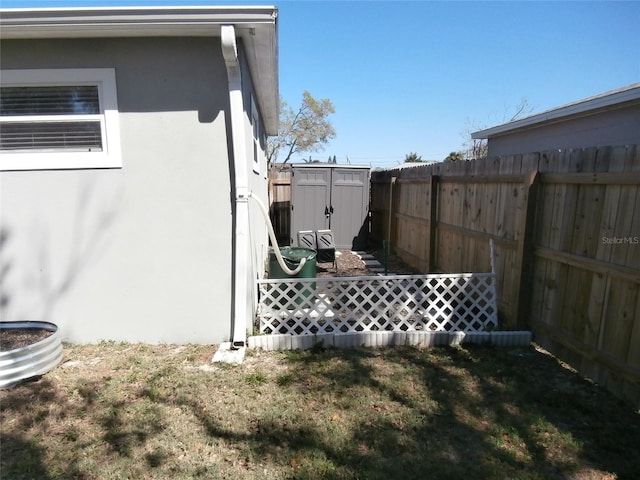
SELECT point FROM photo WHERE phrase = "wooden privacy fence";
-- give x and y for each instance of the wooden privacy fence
(280, 201)
(566, 228)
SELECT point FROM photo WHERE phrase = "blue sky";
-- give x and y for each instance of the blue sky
(413, 76)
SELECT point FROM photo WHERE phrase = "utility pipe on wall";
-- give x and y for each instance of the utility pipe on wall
(240, 291)
(242, 278)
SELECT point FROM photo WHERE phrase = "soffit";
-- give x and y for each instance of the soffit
(255, 25)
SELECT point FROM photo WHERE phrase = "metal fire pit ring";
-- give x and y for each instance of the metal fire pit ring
(31, 360)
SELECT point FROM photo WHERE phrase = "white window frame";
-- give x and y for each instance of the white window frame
(105, 80)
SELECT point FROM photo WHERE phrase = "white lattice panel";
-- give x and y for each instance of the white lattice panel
(449, 302)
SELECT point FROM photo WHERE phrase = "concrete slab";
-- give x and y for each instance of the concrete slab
(226, 354)
(371, 263)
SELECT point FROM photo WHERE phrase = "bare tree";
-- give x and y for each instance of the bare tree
(304, 130)
(521, 110)
(477, 147)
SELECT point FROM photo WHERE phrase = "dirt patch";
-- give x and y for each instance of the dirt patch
(350, 265)
(395, 264)
(12, 338)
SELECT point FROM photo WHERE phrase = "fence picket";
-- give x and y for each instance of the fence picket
(558, 269)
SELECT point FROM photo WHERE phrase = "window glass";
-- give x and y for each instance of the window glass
(59, 119)
(62, 100)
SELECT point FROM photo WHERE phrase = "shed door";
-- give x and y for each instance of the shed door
(310, 198)
(349, 199)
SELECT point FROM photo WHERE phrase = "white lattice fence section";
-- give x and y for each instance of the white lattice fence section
(463, 302)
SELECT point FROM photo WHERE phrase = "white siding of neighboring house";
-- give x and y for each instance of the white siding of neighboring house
(620, 126)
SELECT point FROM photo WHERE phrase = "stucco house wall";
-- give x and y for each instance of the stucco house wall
(257, 170)
(143, 252)
(255, 145)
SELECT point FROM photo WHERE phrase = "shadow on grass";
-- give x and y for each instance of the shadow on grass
(458, 413)
(399, 413)
(21, 458)
(55, 423)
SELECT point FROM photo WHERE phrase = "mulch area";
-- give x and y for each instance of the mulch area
(12, 338)
(350, 265)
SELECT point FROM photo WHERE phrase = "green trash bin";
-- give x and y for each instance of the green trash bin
(292, 257)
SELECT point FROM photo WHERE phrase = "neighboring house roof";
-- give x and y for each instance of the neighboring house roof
(414, 164)
(408, 165)
(255, 25)
(325, 164)
(589, 106)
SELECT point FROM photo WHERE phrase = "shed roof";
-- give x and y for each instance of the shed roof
(325, 165)
(255, 25)
(609, 100)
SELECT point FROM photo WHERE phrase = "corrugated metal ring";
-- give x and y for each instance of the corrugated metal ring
(31, 360)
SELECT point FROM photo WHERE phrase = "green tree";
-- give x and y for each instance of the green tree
(455, 157)
(412, 158)
(307, 129)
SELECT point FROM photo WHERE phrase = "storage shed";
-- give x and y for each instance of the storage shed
(331, 197)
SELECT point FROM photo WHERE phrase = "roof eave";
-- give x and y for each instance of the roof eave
(127, 21)
(256, 25)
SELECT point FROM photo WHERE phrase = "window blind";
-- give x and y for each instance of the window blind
(72, 136)
(57, 100)
(50, 118)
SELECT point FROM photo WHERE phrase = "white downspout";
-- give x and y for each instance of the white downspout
(240, 292)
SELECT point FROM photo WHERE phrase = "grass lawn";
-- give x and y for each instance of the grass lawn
(115, 411)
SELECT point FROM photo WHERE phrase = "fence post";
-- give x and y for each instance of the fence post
(492, 255)
(391, 214)
(433, 225)
(525, 252)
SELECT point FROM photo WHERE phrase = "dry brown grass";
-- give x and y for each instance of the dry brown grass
(140, 411)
